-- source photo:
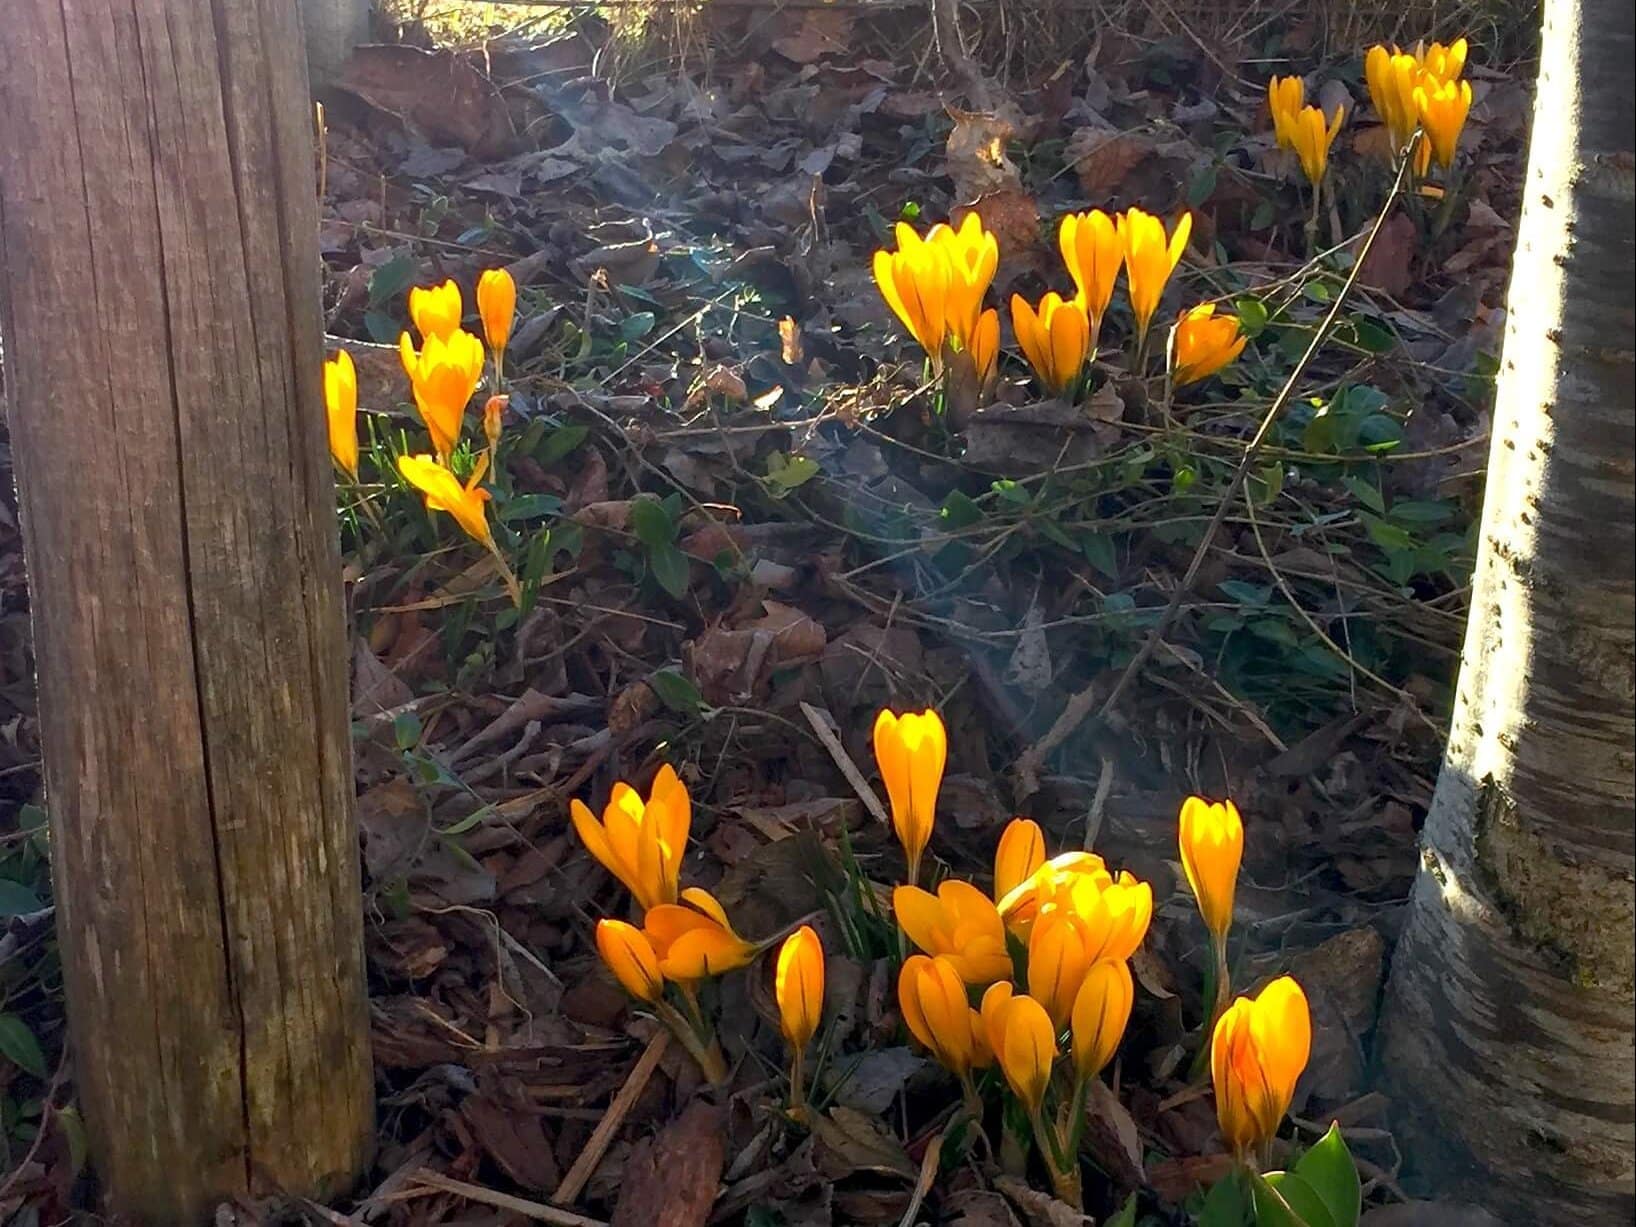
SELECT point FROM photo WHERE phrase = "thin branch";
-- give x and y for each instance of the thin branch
(1032, 760)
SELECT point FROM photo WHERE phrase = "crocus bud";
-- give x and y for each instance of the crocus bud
(629, 955)
(1212, 844)
(798, 986)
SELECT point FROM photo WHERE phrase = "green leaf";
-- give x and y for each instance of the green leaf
(786, 473)
(1099, 551)
(651, 523)
(1226, 1205)
(406, 730)
(1387, 536)
(1011, 492)
(1372, 336)
(637, 325)
(17, 1043)
(1252, 315)
(669, 567)
(32, 817)
(1264, 216)
(391, 279)
(1366, 493)
(1329, 1170)
(1202, 185)
(1126, 1217)
(468, 822)
(1267, 483)
(1283, 1199)
(559, 443)
(676, 692)
(1421, 511)
(73, 1129)
(959, 511)
(1274, 630)
(1254, 595)
(17, 899)
(381, 327)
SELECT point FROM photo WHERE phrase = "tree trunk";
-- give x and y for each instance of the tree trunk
(333, 28)
(159, 299)
(1507, 1035)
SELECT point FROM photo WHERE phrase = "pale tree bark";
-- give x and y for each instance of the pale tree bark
(1507, 1037)
(333, 28)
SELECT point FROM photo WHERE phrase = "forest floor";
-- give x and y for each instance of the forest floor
(690, 222)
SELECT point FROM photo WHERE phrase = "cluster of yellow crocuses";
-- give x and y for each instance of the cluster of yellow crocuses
(1033, 977)
(935, 285)
(444, 373)
(1414, 91)
(1258, 1045)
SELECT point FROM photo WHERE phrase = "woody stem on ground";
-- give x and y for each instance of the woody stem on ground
(1032, 762)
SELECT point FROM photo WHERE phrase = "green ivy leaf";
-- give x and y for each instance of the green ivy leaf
(652, 524)
(1329, 1170)
(1366, 493)
(17, 1044)
(17, 899)
(1252, 315)
(677, 692)
(559, 443)
(391, 279)
(1099, 551)
(669, 567)
(637, 325)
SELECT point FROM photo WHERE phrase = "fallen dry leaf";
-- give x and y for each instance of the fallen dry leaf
(672, 1180)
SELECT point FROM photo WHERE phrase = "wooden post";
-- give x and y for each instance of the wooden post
(160, 306)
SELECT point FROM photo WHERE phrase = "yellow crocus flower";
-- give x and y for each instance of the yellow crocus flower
(1285, 98)
(443, 492)
(1258, 1049)
(1094, 254)
(1055, 338)
(1311, 138)
(1149, 260)
(911, 751)
(914, 281)
(1204, 342)
(1211, 838)
(1392, 77)
(959, 923)
(341, 411)
(436, 310)
(1442, 64)
(798, 986)
(693, 939)
(1100, 1014)
(630, 957)
(497, 307)
(1020, 854)
(640, 842)
(443, 375)
(932, 999)
(1050, 886)
(972, 255)
(985, 349)
(1109, 923)
(1024, 1042)
(1442, 109)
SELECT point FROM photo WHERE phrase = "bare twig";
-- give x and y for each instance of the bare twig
(538, 1211)
(585, 1166)
(1032, 760)
(843, 760)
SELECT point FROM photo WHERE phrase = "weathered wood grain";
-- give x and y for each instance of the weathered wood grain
(159, 299)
